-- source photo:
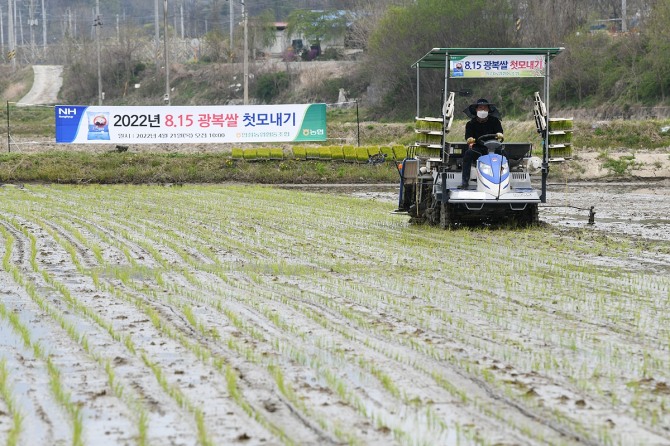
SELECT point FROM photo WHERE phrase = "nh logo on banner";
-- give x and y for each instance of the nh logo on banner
(64, 111)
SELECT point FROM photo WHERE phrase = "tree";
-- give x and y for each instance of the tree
(263, 30)
(657, 76)
(406, 33)
(540, 23)
(366, 18)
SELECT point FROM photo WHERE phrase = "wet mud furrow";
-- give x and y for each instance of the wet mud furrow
(173, 357)
(260, 316)
(245, 315)
(180, 323)
(166, 428)
(67, 366)
(270, 237)
(627, 340)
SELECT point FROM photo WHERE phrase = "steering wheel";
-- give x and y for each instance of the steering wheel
(485, 138)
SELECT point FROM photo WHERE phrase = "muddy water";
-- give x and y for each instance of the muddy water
(634, 209)
(231, 314)
(639, 209)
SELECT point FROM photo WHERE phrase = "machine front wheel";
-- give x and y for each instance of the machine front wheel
(446, 217)
(532, 214)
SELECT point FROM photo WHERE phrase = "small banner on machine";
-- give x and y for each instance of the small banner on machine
(497, 66)
(192, 124)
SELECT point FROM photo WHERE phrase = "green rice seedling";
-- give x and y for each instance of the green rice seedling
(276, 153)
(337, 153)
(321, 294)
(72, 332)
(362, 154)
(250, 154)
(372, 150)
(558, 124)
(387, 150)
(300, 152)
(6, 394)
(350, 153)
(325, 153)
(399, 152)
(237, 153)
(312, 152)
(263, 153)
(429, 124)
(560, 137)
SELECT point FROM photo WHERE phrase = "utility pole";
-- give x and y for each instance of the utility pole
(157, 38)
(232, 24)
(10, 34)
(166, 98)
(32, 23)
(23, 42)
(624, 26)
(97, 23)
(246, 56)
(44, 26)
(2, 33)
(181, 14)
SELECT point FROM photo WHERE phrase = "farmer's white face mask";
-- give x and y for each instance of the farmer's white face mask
(482, 114)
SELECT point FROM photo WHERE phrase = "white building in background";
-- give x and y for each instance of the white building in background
(283, 42)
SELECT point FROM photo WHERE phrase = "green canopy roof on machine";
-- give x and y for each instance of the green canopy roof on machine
(435, 58)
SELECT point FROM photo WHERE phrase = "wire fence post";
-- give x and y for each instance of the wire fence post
(9, 147)
(358, 126)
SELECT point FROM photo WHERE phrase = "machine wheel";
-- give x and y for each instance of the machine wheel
(534, 215)
(530, 215)
(446, 218)
(433, 214)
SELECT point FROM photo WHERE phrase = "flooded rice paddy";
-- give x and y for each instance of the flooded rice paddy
(248, 315)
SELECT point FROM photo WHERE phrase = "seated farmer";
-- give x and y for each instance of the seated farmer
(484, 120)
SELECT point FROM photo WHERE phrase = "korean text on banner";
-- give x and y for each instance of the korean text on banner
(497, 66)
(208, 124)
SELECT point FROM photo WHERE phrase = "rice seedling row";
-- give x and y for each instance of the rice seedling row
(187, 314)
(352, 310)
(128, 343)
(256, 336)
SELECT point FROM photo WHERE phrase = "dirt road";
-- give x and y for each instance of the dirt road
(46, 85)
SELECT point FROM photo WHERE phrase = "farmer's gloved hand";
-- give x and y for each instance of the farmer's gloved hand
(500, 137)
(471, 141)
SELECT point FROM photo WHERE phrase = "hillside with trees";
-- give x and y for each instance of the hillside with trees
(614, 59)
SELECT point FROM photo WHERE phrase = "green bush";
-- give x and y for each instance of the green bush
(271, 85)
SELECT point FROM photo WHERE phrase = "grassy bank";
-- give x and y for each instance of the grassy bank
(141, 168)
(35, 157)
